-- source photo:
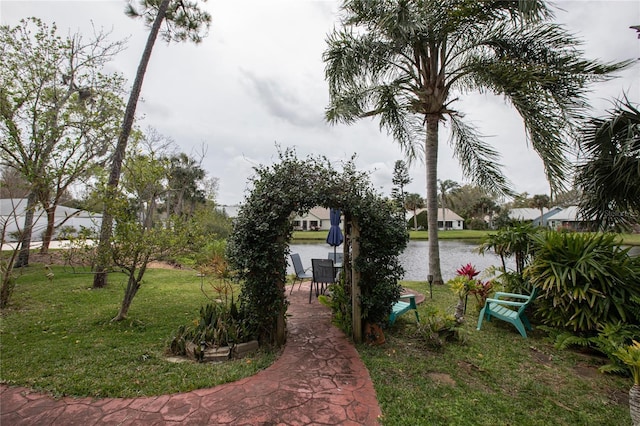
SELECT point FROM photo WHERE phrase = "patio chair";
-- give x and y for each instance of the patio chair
(301, 272)
(509, 310)
(336, 257)
(323, 275)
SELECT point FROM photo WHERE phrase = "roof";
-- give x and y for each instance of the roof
(449, 214)
(570, 214)
(525, 213)
(17, 207)
(321, 213)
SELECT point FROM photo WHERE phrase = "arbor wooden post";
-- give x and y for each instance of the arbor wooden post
(356, 315)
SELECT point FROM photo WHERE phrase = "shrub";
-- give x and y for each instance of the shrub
(585, 281)
(436, 329)
(218, 325)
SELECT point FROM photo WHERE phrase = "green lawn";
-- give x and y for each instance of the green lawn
(57, 336)
(494, 378)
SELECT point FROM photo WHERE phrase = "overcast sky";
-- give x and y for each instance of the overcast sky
(257, 82)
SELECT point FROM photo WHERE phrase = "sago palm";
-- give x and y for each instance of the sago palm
(406, 60)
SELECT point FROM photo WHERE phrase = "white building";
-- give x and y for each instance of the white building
(12, 215)
(446, 220)
(316, 219)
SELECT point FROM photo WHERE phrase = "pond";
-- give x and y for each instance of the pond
(415, 258)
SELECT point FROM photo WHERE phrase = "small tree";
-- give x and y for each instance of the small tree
(139, 237)
(400, 179)
(540, 202)
(445, 187)
(59, 111)
(414, 202)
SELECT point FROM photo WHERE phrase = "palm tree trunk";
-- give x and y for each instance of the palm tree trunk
(431, 160)
(100, 277)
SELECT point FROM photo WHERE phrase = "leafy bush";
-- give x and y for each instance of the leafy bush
(436, 329)
(585, 281)
(219, 325)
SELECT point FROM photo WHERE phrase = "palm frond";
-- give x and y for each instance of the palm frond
(609, 175)
(478, 161)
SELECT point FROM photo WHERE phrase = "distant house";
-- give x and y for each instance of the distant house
(12, 215)
(450, 220)
(569, 218)
(533, 215)
(316, 219)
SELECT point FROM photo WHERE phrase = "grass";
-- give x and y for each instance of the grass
(57, 336)
(494, 377)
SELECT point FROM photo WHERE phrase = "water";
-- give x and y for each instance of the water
(415, 258)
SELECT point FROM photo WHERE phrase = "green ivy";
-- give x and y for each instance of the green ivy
(258, 247)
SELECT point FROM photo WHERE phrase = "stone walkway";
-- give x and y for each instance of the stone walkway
(318, 380)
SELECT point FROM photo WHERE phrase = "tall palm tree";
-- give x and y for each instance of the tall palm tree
(184, 21)
(404, 61)
(609, 177)
(445, 187)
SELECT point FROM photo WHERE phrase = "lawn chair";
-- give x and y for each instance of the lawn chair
(508, 310)
(323, 274)
(301, 273)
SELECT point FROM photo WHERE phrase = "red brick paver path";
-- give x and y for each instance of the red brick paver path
(318, 380)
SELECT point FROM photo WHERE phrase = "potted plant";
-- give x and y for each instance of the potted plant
(630, 355)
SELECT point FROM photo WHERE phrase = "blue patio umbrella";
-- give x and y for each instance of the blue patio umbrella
(335, 237)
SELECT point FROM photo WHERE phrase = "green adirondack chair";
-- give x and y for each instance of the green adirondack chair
(509, 310)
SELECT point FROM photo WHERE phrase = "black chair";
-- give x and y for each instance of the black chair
(301, 273)
(336, 257)
(323, 275)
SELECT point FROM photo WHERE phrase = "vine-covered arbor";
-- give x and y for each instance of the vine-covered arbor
(375, 234)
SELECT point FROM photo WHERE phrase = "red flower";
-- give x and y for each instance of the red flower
(468, 271)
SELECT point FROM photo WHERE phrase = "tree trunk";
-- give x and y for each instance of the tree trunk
(356, 311)
(100, 277)
(634, 404)
(48, 233)
(132, 288)
(25, 237)
(431, 160)
(415, 220)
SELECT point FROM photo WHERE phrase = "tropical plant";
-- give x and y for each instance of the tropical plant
(414, 202)
(630, 355)
(513, 241)
(540, 202)
(405, 60)
(219, 324)
(609, 175)
(436, 329)
(464, 284)
(585, 281)
(183, 20)
(444, 187)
